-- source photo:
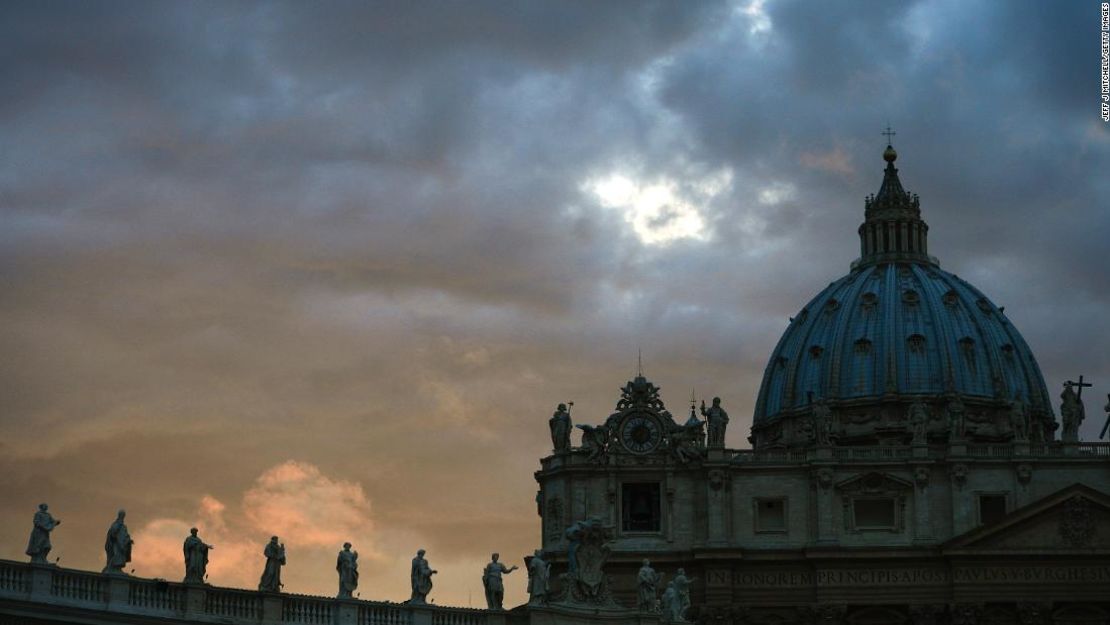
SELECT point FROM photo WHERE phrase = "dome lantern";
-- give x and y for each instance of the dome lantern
(893, 229)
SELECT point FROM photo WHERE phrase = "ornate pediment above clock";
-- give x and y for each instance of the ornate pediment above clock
(642, 426)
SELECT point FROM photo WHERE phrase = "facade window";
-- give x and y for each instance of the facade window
(770, 515)
(992, 507)
(640, 508)
(873, 513)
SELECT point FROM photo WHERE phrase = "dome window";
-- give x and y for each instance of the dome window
(910, 297)
(916, 343)
(1008, 350)
(951, 298)
(816, 351)
(781, 362)
(831, 306)
(984, 306)
(802, 315)
(869, 300)
(863, 346)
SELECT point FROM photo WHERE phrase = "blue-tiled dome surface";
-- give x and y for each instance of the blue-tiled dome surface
(906, 329)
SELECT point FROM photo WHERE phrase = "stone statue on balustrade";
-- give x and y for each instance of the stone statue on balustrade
(595, 441)
(539, 576)
(196, 558)
(717, 419)
(117, 546)
(682, 592)
(38, 547)
(671, 606)
(1072, 413)
(585, 582)
(346, 564)
(275, 559)
(492, 583)
(919, 422)
(686, 440)
(1019, 420)
(560, 429)
(647, 584)
(421, 578)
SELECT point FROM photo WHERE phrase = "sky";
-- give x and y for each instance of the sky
(324, 270)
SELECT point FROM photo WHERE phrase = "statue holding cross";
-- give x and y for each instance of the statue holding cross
(1072, 411)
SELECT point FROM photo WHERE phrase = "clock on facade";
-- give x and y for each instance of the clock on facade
(641, 433)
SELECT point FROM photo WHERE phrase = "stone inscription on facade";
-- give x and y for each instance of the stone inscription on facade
(774, 579)
(881, 577)
(1031, 574)
(903, 577)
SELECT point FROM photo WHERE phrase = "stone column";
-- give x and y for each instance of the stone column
(823, 481)
(717, 489)
(668, 505)
(961, 506)
(923, 520)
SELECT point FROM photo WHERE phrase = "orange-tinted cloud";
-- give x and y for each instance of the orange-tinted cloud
(311, 513)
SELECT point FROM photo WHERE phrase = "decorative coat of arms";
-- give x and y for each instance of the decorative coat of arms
(1077, 525)
(585, 582)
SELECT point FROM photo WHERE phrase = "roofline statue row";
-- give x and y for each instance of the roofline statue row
(118, 546)
(584, 585)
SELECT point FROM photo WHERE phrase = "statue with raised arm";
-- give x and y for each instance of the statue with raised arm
(647, 582)
(38, 547)
(117, 546)
(717, 419)
(421, 578)
(539, 577)
(491, 582)
(1072, 413)
(560, 429)
(346, 564)
(275, 559)
(196, 558)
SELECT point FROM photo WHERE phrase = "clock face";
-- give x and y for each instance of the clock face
(641, 434)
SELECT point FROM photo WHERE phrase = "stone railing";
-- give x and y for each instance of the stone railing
(43, 589)
(881, 453)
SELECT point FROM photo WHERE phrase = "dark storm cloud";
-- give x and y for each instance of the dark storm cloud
(365, 236)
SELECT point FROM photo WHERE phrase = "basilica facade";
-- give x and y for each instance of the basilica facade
(906, 465)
